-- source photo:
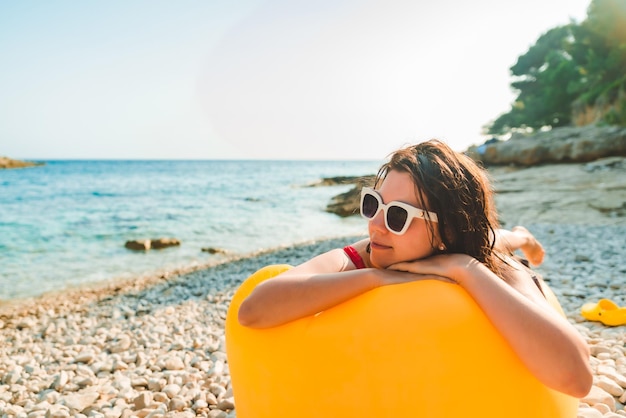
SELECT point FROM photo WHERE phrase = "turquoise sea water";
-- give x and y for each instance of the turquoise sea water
(65, 223)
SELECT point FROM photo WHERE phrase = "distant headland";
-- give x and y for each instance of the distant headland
(6, 162)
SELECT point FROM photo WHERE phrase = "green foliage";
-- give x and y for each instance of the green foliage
(571, 68)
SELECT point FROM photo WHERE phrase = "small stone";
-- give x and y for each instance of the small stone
(57, 411)
(589, 413)
(121, 382)
(610, 386)
(139, 382)
(598, 349)
(226, 404)
(161, 397)
(143, 400)
(199, 404)
(119, 365)
(85, 357)
(155, 385)
(97, 366)
(598, 395)
(27, 322)
(86, 382)
(13, 410)
(143, 412)
(604, 409)
(50, 395)
(217, 369)
(13, 377)
(216, 389)
(78, 402)
(177, 404)
(157, 413)
(120, 344)
(60, 380)
(174, 363)
(211, 398)
(141, 359)
(171, 390)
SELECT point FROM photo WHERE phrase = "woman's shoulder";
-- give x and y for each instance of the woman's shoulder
(519, 275)
(358, 253)
(361, 245)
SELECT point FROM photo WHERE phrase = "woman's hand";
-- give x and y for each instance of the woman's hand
(391, 276)
(443, 266)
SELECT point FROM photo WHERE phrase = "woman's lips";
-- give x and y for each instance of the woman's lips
(379, 246)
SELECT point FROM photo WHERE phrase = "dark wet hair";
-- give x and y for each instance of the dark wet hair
(454, 187)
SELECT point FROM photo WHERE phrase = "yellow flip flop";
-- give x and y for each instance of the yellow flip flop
(605, 311)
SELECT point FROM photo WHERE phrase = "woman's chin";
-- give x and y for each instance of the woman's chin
(377, 263)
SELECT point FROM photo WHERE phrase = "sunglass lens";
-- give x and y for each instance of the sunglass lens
(369, 206)
(396, 218)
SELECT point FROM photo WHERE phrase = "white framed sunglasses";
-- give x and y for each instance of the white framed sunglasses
(398, 215)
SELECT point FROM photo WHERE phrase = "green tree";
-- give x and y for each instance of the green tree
(572, 69)
(601, 52)
(544, 78)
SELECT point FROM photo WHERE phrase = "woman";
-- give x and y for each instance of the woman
(431, 217)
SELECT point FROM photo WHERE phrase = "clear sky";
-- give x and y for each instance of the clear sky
(215, 79)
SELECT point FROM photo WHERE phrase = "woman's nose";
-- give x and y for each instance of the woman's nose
(378, 221)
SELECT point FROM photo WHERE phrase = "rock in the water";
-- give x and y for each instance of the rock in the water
(158, 243)
(155, 243)
(138, 245)
(213, 250)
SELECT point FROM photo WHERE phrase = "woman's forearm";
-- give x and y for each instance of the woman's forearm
(292, 296)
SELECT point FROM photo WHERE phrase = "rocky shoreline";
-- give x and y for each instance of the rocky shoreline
(574, 193)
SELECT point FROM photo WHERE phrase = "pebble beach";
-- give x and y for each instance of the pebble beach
(153, 346)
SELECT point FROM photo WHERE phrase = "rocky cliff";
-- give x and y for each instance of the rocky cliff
(560, 145)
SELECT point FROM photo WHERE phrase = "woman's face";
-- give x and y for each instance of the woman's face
(388, 248)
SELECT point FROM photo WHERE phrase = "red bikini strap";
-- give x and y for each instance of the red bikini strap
(354, 256)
